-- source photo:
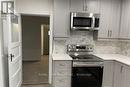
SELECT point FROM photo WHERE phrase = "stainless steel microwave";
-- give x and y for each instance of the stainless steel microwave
(84, 21)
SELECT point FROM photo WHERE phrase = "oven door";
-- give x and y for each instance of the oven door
(87, 76)
(82, 23)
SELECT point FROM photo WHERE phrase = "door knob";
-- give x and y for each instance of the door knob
(11, 57)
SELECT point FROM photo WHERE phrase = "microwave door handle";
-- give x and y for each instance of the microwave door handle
(72, 16)
(93, 23)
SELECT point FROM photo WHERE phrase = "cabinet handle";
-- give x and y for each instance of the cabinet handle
(121, 69)
(108, 33)
(84, 5)
(86, 8)
(61, 72)
(61, 80)
(62, 64)
(11, 57)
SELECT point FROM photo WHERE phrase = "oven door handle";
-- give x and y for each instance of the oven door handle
(95, 64)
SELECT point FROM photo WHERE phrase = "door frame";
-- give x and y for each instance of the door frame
(50, 40)
(1, 55)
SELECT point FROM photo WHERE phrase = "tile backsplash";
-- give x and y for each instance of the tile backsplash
(76, 37)
(80, 37)
(100, 46)
(125, 48)
(107, 47)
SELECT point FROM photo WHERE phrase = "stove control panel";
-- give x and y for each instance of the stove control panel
(80, 48)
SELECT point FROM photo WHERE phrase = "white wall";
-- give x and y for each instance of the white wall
(1, 54)
(33, 6)
(1, 68)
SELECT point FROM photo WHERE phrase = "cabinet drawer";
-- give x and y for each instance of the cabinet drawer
(62, 64)
(107, 85)
(61, 72)
(62, 82)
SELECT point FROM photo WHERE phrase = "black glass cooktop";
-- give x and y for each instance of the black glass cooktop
(89, 58)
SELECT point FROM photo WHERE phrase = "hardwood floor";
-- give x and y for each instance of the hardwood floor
(36, 72)
(42, 85)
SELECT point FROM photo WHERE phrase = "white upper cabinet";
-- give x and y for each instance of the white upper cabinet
(104, 18)
(110, 18)
(93, 6)
(77, 5)
(85, 6)
(125, 20)
(115, 18)
(61, 18)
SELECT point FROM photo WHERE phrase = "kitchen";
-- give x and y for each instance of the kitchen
(110, 42)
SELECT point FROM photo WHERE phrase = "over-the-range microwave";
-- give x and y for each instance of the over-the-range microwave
(84, 21)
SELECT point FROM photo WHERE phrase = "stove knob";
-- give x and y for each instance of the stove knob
(77, 49)
(69, 46)
(69, 49)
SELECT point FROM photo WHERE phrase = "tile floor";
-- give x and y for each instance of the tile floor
(36, 72)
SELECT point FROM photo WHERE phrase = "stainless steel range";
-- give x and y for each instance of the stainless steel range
(87, 70)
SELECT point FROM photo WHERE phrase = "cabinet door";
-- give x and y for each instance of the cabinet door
(118, 70)
(62, 73)
(126, 76)
(85, 5)
(105, 18)
(125, 20)
(110, 18)
(92, 6)
(108, 74)
(61, 18)
(115, 18)
(77, 5)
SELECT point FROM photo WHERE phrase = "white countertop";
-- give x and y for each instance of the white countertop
(116, 57)
(61, 57)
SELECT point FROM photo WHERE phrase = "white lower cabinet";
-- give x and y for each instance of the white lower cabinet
(121, 75)
(62, 73)
(126, 77)
(118, 71)
(108, 74)
(116, 74)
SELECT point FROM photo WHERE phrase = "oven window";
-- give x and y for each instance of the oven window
(87, 76)
(82, 22)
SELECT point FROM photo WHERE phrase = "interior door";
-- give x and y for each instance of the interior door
(14, 51)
